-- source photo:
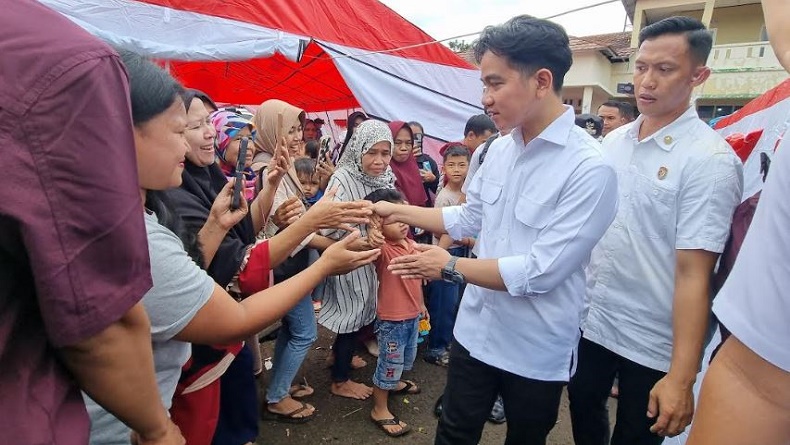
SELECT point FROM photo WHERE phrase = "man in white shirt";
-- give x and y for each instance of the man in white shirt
(615, 114)
(540, 202)
(745, 395)
(648, 278)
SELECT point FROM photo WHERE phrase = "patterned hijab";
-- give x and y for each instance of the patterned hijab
(228, 124)
(368, 134)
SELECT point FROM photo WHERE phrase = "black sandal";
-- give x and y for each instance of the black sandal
(383, 423)
(407, 390)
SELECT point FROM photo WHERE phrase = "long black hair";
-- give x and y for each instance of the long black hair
(152, 91)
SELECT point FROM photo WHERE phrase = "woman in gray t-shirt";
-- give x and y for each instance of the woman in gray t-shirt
(185, 305)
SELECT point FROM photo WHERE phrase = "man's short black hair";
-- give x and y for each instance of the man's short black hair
(389, 195)
(457, 150)
(625, 109)
(304, 166)
(529, 44)
(479, 124)
(697, 35)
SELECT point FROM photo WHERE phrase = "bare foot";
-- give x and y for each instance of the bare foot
(372, 347)
(299, 391)
(394, 429)
(356, 361)
(289, 405)
(352, 390)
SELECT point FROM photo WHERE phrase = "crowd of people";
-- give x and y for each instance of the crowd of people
(548, 251)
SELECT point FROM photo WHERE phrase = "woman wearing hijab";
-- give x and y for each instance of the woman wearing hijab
(299, 329)
(185, 305)
(242, 265)
(407, 175)
(354, 120)
(231, 128)
(349, 301)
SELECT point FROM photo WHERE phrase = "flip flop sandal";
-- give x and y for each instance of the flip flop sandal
(300, 391)
(383, 423)
(290, 417)
(410, 389)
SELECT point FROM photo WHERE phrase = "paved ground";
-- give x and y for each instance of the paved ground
(341, 421)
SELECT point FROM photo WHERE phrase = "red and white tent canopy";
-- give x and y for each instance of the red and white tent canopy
(316, 54)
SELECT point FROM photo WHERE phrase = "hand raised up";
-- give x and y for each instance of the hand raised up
(288, 212)
(339, 259)
(330, 214)
(221, 214)
(278, 165)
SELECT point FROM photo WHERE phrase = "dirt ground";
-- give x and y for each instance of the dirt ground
(342, 421)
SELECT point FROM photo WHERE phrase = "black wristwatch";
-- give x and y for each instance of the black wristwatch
(451, 275)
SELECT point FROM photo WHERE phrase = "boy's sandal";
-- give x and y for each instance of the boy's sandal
(290, 417)
(411, 388)
(442, 359)
(383, 423)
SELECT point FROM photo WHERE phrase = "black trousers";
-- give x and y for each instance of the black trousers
(531, 406)
(589, 391)
(344, 347)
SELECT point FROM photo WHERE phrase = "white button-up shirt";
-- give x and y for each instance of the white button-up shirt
(678, 190)
(539, 208)
(754, 303)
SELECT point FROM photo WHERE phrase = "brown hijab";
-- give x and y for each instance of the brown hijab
(265, 122)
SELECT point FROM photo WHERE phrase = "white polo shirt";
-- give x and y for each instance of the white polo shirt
(678, 190)
(539, 208)
(754, 303)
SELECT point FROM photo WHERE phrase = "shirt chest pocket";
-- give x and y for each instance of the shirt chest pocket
(652, 212)
(491, 195)
(531, 218)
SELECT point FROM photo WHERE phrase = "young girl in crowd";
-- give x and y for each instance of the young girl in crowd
(400, 308)
(185, 305)
(299, 327)
(349, 301)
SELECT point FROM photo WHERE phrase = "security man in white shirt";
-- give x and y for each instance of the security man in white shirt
(541, 201)
(648, 278)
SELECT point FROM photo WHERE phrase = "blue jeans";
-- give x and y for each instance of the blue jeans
(443, 301)
(297, 334)
(398, 349)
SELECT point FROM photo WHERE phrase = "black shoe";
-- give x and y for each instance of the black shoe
(497, 412)
(437, 408)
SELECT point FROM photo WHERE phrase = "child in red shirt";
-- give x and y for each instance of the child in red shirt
(400, 308)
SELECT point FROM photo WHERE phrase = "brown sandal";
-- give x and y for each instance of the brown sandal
(290, 417)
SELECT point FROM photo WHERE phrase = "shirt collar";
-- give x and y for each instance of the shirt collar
(668, 136)
(556, 132)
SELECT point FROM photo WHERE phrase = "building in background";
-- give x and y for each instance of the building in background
(742, 62)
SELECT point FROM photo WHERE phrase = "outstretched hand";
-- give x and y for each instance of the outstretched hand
(330, 214)
(221, 213)
(386, 210)
(427, 264)
(288, 212)
(339, 259)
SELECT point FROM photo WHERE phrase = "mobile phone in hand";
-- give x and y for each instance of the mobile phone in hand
(426, 165)
(238, 187)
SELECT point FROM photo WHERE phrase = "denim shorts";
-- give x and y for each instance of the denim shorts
(397, 351)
